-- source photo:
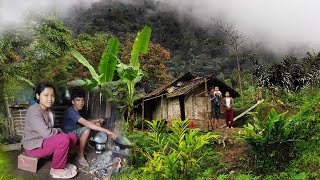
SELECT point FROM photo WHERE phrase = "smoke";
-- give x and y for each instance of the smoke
(15, 12)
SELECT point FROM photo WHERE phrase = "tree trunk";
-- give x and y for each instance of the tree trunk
(239, 77)
(130, 119)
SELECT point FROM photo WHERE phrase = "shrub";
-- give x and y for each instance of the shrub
(271, 142)
(176, 156)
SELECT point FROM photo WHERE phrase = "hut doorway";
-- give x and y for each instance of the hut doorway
(182, 112)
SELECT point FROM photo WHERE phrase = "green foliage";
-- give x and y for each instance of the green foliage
(108, 61)
(83, 61)
(194, 49)
(140, 46)
(132, 74)
(271, 142)
(306, 128)
(3, 127)
(292, 145)
(238, 177)
(280, 176)
(33, 53)
(291, 74)
(5, 167)
(53, 38)
(107, 64)
(176, 156)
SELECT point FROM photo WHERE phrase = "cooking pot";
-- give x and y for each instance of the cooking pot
(100, 137)
(100, 147)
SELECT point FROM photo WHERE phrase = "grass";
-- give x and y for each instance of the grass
(5, 167)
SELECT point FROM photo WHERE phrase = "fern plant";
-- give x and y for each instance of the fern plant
(176, 158)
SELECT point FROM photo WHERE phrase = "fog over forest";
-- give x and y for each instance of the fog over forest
(280, 25)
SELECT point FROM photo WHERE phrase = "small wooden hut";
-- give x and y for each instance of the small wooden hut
(186, 97)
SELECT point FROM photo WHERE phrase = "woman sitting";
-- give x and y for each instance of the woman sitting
(41, 139)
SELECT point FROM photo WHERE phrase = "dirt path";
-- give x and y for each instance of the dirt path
(44, 168)
(233, 152)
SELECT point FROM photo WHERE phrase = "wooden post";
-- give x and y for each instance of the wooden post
(161, 107)
(142, 123)
(207, 104)
(167, 117)
(7, 107)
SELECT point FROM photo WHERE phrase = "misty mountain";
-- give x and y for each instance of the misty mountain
(193, 48)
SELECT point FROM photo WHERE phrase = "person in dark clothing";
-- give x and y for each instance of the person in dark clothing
(72, 120)
(215, 99)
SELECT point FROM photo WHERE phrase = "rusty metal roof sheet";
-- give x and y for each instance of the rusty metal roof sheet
(187, 87)
(163, 88)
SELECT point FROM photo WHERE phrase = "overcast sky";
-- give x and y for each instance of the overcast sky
(278, 24)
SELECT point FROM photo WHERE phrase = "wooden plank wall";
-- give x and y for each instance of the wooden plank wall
(18, 121)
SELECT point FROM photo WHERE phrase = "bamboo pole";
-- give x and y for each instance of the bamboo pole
(161, 107)
(142, 123)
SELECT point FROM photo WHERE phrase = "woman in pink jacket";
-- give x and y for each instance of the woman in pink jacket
(41, 139)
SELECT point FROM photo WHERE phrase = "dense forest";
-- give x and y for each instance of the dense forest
(196, 48)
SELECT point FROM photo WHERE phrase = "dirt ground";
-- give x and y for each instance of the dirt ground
(44, 167)
(233, 152)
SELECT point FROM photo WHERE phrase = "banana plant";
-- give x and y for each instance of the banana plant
(107, 66)
(131, 74)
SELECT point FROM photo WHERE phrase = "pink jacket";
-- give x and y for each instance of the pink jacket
(36, 128)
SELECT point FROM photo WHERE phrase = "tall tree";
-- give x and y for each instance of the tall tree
(234, 40)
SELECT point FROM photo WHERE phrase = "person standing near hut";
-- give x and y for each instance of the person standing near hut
(71, 120)
(228, 103)
(215, 99)
(41, 139)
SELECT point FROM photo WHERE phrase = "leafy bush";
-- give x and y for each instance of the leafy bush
(306, 126)
(176, 154)
(271, 142)
(146, 144)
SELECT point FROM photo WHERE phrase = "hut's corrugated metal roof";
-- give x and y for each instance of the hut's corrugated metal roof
(187, 87)
(190, 83)
(164, 87)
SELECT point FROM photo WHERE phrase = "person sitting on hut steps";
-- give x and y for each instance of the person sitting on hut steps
(228, 103)
(215, 98)
(72, 117)
(41, 139)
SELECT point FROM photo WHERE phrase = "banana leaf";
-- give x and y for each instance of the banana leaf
(108, 60)
(140, 45)
(83, 61)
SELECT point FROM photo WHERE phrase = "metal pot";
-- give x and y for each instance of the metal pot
(100, 137)
(100, 146)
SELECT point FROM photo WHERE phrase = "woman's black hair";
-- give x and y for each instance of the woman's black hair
(40, 88)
